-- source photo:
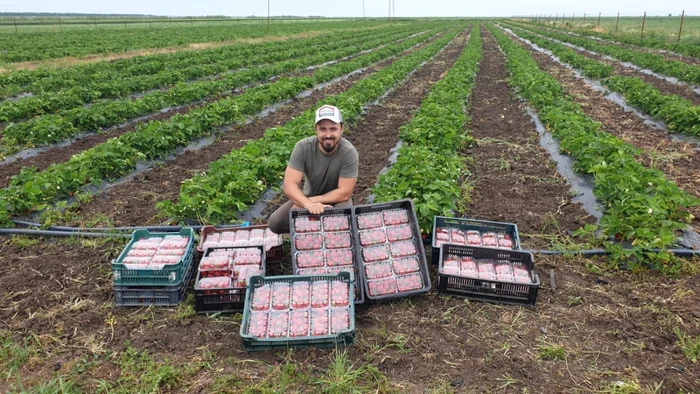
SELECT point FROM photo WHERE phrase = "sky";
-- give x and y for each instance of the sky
(353, 8)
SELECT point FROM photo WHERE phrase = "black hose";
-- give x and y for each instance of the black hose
(49, 233)
(105, 229)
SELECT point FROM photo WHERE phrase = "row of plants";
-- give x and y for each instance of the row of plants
(31, 190)
(18, 47)
(115, 85)
(643, 209)
(48, 79)
(647, 42)
(430, 169)
(679, 114)
(49, 129)
(683, 71)
(238, 179)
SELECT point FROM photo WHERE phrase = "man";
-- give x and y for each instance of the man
(329, 165)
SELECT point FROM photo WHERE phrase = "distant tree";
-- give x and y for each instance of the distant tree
(669, 14)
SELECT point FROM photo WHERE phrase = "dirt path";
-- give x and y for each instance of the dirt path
(679, 161)
(513, 178)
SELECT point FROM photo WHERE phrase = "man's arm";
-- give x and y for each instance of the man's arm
(343, 193)
(292, 188)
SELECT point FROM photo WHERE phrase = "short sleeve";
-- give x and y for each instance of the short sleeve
(350, 165)
(298, 157)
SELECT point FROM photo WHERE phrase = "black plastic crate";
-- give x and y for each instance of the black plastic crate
(466, 224)
(253, 343)
(416, 240)
(162, 296)
(357, 278)
(228, 300)
(493, 291)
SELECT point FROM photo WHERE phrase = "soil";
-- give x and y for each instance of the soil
(130, 204)
(592, 329)
(679, 161)
(513, 178)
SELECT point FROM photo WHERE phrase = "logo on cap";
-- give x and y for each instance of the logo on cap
(326, 111)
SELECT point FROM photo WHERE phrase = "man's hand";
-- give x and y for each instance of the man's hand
(315, 208)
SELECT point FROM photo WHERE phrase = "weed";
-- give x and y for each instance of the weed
(633, 387)
(23, 241)
(343, 377)
(574, 300)
(14, 356)
(552, 352)
(689, 345)
(186, 309)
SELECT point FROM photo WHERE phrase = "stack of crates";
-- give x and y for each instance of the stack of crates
(154, 268)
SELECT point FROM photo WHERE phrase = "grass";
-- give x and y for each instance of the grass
(13, 355)
(551, 352)
(689, 345)
(342, 377)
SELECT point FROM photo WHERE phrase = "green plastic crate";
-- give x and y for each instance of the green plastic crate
(344, 338)
(169, 275)
(145, 296)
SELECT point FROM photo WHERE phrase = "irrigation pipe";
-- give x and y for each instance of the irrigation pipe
(49, 233)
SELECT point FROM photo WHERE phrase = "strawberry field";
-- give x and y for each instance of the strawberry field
(589, 145)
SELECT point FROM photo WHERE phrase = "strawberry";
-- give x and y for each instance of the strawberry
(337, 257)
(399, 233)
(180, 243)
(372, 237)
(301, 293)
(473, 238)
(450, 270)
(340, 293)
(148, 243)
(311, 271)
(369, 220)
(319, 322)
(241, 238)
(504, 241)
(522, 279)
(378, 270)
(209, 284)
(244, 273)
(310, 259)
(169, 252)
(257, 324)
(375, 253)
(278, 324)
(280, 295)
(308, 241)
(402, 249)
(336, 223)
(395, 216)
(167, 260)
(338, 240)
(503, 268)
(340, 268)
(137, 262)
(340, 320)
(319, 294)
(299, 323)
(489, 240)
(141, 253)
(406, 265)
(409, 282)
(307, 224)
(214, 263)
(257, 237)
(261, 298)
(442, 234)
(458, 236)
(381, 286)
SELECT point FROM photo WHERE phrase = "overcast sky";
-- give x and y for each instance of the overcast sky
(354, 7)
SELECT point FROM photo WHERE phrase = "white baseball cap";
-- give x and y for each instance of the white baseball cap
(329, 112)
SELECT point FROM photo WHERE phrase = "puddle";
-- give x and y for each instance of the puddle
(581, 186)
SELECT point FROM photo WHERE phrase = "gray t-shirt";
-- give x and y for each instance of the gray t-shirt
(321, 172)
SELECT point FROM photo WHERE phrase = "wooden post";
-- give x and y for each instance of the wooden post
(680, 31)
(643, 20)
(15, 19)
(60, 25)
(618, 15)
(584, 18)
(556, 18)
(572, 18)
(617, 23)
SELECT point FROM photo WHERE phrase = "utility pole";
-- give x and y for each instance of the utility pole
(643, 20)
(681, 29)
(363, 11)
(389, 19)
(268, 16)
(616, 23)
(393, 8)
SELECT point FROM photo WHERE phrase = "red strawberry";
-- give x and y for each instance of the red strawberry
(340, 268)
(409, 282)
(337, 257)
(299, 323)
(280, 295)
(319, 294)
(375, 253)
(489, 240)
(406, 265)
(381, 286)
(504, 241)
(278, 324)
(378, 270)
(395, 216)
(311, 271)
(319, 322)
(458, 236)
(241, 238)
(369, 220)
(338, 240)
(403, 248)
(473, 238)
(208, 284)
(310, 259)
(372, 237)
(261, 298)
(300, 295)
(307, 224)
(442, 234)
(308, 241)
(336, 223)
(340, 320)
(399, 233)
(257, 324)
(340, 293)
(141, 253)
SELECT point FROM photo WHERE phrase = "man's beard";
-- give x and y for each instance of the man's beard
(327, 149)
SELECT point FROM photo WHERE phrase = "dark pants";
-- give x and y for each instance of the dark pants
(279, 220)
